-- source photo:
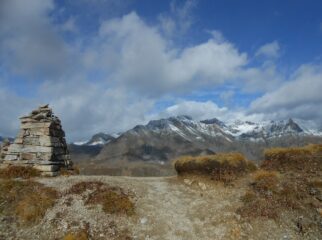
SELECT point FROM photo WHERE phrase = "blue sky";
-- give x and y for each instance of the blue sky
(107, 65)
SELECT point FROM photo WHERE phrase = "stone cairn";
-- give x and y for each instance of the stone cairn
(40, 143)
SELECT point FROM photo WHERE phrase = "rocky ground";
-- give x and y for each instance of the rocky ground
(166, 208)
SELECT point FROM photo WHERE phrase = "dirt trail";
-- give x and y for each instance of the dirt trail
(167, 208)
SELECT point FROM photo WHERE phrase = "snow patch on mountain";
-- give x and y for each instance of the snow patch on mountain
(206, 130)
(98, 139)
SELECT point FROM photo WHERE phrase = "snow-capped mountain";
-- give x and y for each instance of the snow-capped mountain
(185, 127)
(190, 129)
(98, 139)
(271, 129)
(164, 139)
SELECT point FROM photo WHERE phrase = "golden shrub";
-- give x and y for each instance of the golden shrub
(27, 201)
(113, 199)
(216, 165)
(266, 180)
(19, 172)
(308, 158)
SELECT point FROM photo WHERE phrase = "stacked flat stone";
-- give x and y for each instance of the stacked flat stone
(40, 143)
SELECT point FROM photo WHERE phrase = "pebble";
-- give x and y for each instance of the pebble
(143, 220)
(202, 186)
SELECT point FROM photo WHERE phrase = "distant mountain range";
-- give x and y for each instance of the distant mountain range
(162, 140)
(98, 139)
(3, 138)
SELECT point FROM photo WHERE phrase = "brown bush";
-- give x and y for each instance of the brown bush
(27, 201)
(304, 159)
(220, 166)
(69, 172)
(19, 172)
(113, 199)
(270, 193)
(265, 180)
(81, 234)
(81, 187)
(113, 202)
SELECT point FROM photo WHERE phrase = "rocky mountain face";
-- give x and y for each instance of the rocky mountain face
(162, 140)
(97, 139)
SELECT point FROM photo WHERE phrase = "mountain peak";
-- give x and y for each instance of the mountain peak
(183, 117)
(213, 121)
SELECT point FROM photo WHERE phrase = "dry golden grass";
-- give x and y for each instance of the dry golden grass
(81, 234)
(266, 180)
(305, 159)
(27, 201)
(221, 166)
(113, 199)
(113, 202)
(271, 193)
(19, 172)
(81, 187)
(69, 172)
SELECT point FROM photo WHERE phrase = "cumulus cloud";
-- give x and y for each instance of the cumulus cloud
(111, 79)
(270, 50)
(12, 107)
(151, 66)
(69, 25)
(200, 111)
(227, 96)
(89, 108)
(29, 44)
(299, 97)
(180, 18)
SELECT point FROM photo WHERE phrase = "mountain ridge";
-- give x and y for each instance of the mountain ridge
(164, 139)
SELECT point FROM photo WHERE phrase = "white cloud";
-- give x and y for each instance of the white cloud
(12, 107)
(270, 50)
(69, 25)
(87, 108)
(109, 81)
(299, 97)
(29, 44)
(151, 66)
(227, 96)
(136, 62)
(179, 20)
(198, 110)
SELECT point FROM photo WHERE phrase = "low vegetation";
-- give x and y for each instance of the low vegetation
(270, 193)
(69, 172)
(19, 172)
(221, 167)
(114, 200)
(290, 180)
(303, 159)
(81, 234)
(26, 201)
